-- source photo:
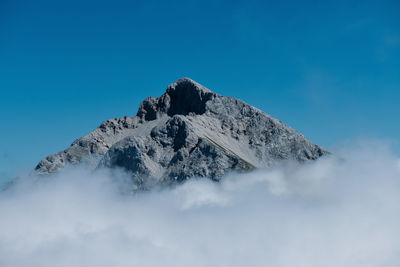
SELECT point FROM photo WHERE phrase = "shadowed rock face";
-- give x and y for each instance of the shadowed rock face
(184, 97)
(188, 131)
(188, 97)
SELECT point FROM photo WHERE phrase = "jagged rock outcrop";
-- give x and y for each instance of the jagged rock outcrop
(188, 131)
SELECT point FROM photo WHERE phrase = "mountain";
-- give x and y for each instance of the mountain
(188, 131)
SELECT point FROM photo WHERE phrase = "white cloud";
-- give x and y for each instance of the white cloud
(334, 212)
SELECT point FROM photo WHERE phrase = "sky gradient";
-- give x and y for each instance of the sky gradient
(330, 71)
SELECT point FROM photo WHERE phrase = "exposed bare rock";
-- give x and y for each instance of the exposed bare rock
(188, 131)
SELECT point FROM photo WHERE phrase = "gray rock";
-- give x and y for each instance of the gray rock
(189, 131)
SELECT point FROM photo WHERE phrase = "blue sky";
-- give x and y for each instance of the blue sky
(329, 69)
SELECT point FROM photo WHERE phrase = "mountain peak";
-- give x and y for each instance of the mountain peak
(187, 84)
(187, 132)
(183, 97)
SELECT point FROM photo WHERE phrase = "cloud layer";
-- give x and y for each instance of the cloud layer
(341, 211)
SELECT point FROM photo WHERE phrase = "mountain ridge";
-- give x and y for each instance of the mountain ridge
(188, 131)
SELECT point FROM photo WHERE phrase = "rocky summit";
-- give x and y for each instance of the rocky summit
(189, 131)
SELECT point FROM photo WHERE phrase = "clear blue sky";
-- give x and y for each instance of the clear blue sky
(329, 69)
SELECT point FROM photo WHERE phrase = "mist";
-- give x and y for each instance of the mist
(342, 210)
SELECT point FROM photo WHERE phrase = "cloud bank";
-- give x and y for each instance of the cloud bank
(342, 211)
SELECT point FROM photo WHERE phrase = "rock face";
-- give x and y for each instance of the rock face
(188, 131)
